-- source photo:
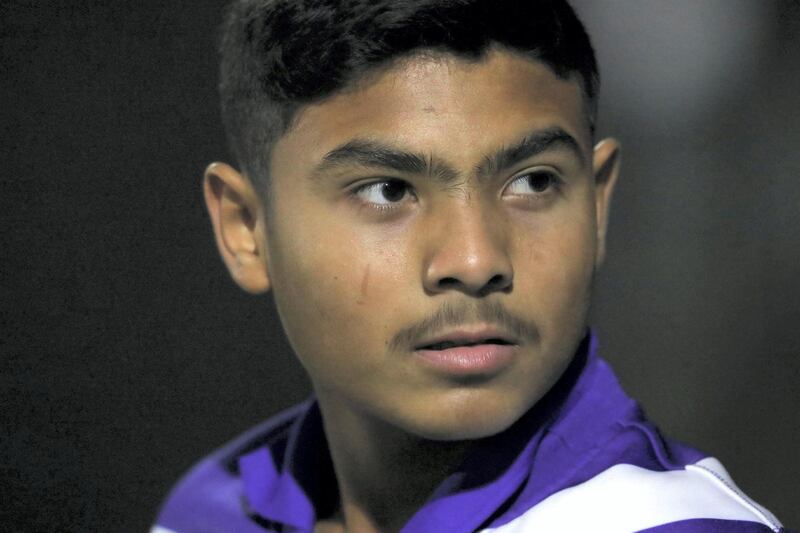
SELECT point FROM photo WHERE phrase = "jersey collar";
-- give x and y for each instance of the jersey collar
(301, 484)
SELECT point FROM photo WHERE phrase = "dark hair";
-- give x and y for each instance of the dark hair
(278, 55)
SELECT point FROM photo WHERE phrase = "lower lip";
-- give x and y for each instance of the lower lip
(480, 359)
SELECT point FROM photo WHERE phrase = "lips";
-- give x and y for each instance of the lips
(481, 352)
(444, 345)
(466, 338)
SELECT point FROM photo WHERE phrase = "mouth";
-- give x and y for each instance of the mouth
(467, 338)
(446, 344)
(461, 354)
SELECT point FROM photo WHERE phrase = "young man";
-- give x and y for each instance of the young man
(420, 189)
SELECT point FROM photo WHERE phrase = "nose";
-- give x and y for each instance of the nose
(467, 251)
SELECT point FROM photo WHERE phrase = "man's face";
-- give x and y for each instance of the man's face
(432, 240)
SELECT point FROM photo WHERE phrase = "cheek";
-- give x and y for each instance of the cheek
(556, 268)
(327, 283)
(574, 259)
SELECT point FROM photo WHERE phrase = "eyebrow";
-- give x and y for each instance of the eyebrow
(530, 145)
(371, 153)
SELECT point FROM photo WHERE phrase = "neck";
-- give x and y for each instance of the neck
(384, 473)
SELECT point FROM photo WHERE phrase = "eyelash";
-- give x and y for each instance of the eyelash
(555, 183)
(389, 206)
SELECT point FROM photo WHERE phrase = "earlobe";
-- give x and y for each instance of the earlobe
(605, 165)
(237, 220)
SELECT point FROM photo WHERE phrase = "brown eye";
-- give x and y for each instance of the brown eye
(535, 182)
(386, 192)
(540, 181)
(393, 190)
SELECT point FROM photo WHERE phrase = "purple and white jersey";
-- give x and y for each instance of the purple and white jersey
(583, 459)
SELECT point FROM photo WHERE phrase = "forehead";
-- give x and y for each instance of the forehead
(440, 104)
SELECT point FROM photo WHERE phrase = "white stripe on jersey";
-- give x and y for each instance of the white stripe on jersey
(628, 498)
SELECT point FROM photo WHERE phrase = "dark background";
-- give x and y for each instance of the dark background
(128, 354)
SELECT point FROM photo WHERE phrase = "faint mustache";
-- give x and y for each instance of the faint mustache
(451, 315)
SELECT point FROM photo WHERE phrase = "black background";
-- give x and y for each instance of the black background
(128, 354)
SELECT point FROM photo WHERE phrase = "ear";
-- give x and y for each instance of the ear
(606, 169)
(238, 220)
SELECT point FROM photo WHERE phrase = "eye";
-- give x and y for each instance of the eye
(533, 183)
(383, 193)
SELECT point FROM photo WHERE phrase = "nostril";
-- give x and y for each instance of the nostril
(497, 281)
(448, 283)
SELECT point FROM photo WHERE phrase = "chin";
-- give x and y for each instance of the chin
(468, 416)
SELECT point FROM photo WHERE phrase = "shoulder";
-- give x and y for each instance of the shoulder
(700, 497)
(208, 497)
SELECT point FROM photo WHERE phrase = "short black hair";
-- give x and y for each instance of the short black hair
(278, 55)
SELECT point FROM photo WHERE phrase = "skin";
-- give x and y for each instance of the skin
(350, 269)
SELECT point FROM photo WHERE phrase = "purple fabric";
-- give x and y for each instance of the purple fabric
(209, 504)
(280, 475)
